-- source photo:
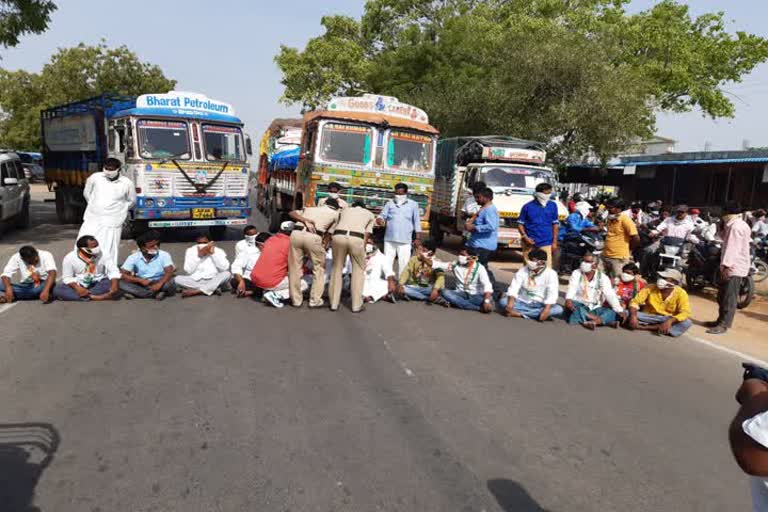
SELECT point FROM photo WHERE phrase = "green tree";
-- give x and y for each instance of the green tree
(72, 74)
(583, 75)
(19, 17)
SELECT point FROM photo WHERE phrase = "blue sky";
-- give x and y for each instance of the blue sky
(225, 49)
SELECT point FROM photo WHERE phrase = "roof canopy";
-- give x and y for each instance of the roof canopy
(700, 157)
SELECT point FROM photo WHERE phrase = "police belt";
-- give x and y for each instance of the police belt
(302, 228)
(355, 234)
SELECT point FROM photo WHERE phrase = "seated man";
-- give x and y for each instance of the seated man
(86, 275)
(207, 268)
(148, 272)
(629, 284)
(37, 276)
(534, 290)
(665, 306)
(419, 280)
(378, 276)
(473, 286)
(270, 273)
(588, 290)
(242, 267)
(248, 243)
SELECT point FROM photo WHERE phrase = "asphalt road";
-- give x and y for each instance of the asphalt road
(218, 404)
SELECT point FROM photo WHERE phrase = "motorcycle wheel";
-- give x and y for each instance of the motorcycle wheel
(746, 292)
(761, 271)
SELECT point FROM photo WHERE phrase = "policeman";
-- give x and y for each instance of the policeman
(313, 224)
(334, 191)
(352, 231)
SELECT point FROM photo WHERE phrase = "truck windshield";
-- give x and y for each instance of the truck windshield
(223, 143)
(515, 177)
(409, 151)
(163, 139)
(346, 143)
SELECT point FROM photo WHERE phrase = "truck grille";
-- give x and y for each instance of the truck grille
(174, 184)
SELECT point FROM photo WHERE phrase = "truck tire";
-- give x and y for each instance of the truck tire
(435, 232)
(22, 221)
(217, 233)
(132, 229)
(66, 208)
(275, 216)
(60, 204)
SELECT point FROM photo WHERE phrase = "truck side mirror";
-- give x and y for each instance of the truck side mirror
(248, 145)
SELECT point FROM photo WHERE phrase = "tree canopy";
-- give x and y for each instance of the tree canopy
(585, 76)
(72, 74)
(19, 17)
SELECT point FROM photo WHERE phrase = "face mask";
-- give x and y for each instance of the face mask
(463, 260)
(663, 284)
(151, 252)
(111, 174)
(627, 278)
(250, 240)
(202, 246)
(427, 256)
(613, 216)
(542, 197)
(586, 267)
(400, 199)
(333, 195)
(369, 248)
(533, 265)
(92, 252)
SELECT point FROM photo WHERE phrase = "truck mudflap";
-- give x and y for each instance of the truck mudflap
(196, 223)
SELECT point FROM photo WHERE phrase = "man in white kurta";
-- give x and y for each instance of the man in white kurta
(109, 197)
(207, 269)
(377, 274)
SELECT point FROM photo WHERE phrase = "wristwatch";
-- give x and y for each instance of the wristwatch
(487, 301)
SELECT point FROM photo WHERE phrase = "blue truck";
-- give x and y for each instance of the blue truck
(186, 154)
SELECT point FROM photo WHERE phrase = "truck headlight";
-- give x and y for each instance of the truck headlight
(161, 203)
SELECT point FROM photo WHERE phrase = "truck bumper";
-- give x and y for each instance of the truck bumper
(196, 223)
(187, 217)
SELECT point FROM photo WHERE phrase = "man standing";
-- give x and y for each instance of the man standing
(109, 197)
(419, 280)
(402, 219)
(636, 213)
(148, 272)
(735, 263)
(313, 224)
(666, 308)
(86, 275)
(207, 268)
(349, 238)
(760, 227)
(483, 229)
(538, 223)
(622, 237)
(474, 290)
(37, 273)
(534, 290)
(270, 273)
(588, 290)
(243, 265)
(334, 192)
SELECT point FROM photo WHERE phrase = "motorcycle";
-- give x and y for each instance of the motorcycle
(703, 269)
(672, 253)
(575, 245)
(759, 259)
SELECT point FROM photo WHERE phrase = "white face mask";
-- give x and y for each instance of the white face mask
(202, 246)
(613, 216)
(542, 197)
(463, 260)
(333, 195)
(400, 199)
(111, 174)
(92, 252)
(663, 284)
(151, 252)
(627, 278)
(369, 248)
(533, 265)
(250, 240)
(586, 267)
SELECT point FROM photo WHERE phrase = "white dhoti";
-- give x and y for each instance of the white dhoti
(375, 288)
(283, 291)
(207, 286)
(108, 238)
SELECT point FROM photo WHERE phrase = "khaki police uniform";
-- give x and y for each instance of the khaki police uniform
(304, 243)
(349, 239)
(342, 203)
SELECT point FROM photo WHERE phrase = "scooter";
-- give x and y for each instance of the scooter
(672, 253)
(703, 270)
(575, 245)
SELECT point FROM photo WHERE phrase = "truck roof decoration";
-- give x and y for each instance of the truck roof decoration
(501, 149)
(375, 104)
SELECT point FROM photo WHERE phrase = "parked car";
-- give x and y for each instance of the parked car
(33, 165)
(14, 191)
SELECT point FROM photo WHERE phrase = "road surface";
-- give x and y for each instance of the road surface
(218, 404)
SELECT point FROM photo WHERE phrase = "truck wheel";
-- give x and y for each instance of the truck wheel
(60, 205)
(132, 229)
(435, 233)
(69, 212)
(217, 233)
(275, 217)
(22, 222)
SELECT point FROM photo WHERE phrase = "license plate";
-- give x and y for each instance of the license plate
(202, 213)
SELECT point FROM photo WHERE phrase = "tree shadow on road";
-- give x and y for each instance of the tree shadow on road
(513, 497)
(26, 449)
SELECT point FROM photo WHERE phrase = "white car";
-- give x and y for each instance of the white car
(14, 191)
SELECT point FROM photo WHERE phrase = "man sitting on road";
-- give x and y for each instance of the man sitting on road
(589, 288)
(629, 284)
(379, 278)
(474, 289)
(37, 273)
(86, 275)
(207, 268)
(419, 280)
(270, 273)
(534, 290)
(243, 266)
(148, 272)
(665, 306)
(248, 243)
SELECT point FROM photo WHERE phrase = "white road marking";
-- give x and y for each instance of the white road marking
(6, 307)
(407, 370)
(735, 353)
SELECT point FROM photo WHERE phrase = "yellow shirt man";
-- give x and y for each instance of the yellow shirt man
(620, 232)
(651, 302)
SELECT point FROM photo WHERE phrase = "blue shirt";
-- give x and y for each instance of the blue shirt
(153, 269)
(402, 221)
(538, 221)
(486, 233)
(575, 223)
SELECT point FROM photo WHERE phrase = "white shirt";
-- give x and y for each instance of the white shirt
(376, 267)
(16, 264)
(756, 427)
(760, 228)
(542, 288)
(206, 267)
(75, 270)
(108, 201)
(678, 228)
(473, 281)
(245, 258)
(641, 219)
(592, 293)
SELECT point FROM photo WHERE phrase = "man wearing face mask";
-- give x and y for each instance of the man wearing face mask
(109, 197)
(37, 273)
(419, 280)
(629, 284)
(588, 290)
(378, 277)
(86, 275)
(533, 292)
(666, 309)
(148, 272)
(483, 228)
(334, 192)
(636, 213)
(539, 224)
(678, 226)
(402, 219)
(578, 221)
(243, 264)
(207, 269)
(473, 286)
(248, 243)
(621, 239)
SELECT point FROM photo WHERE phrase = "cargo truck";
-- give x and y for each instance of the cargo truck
(510, 167)
(367, 144)
(186, 154)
